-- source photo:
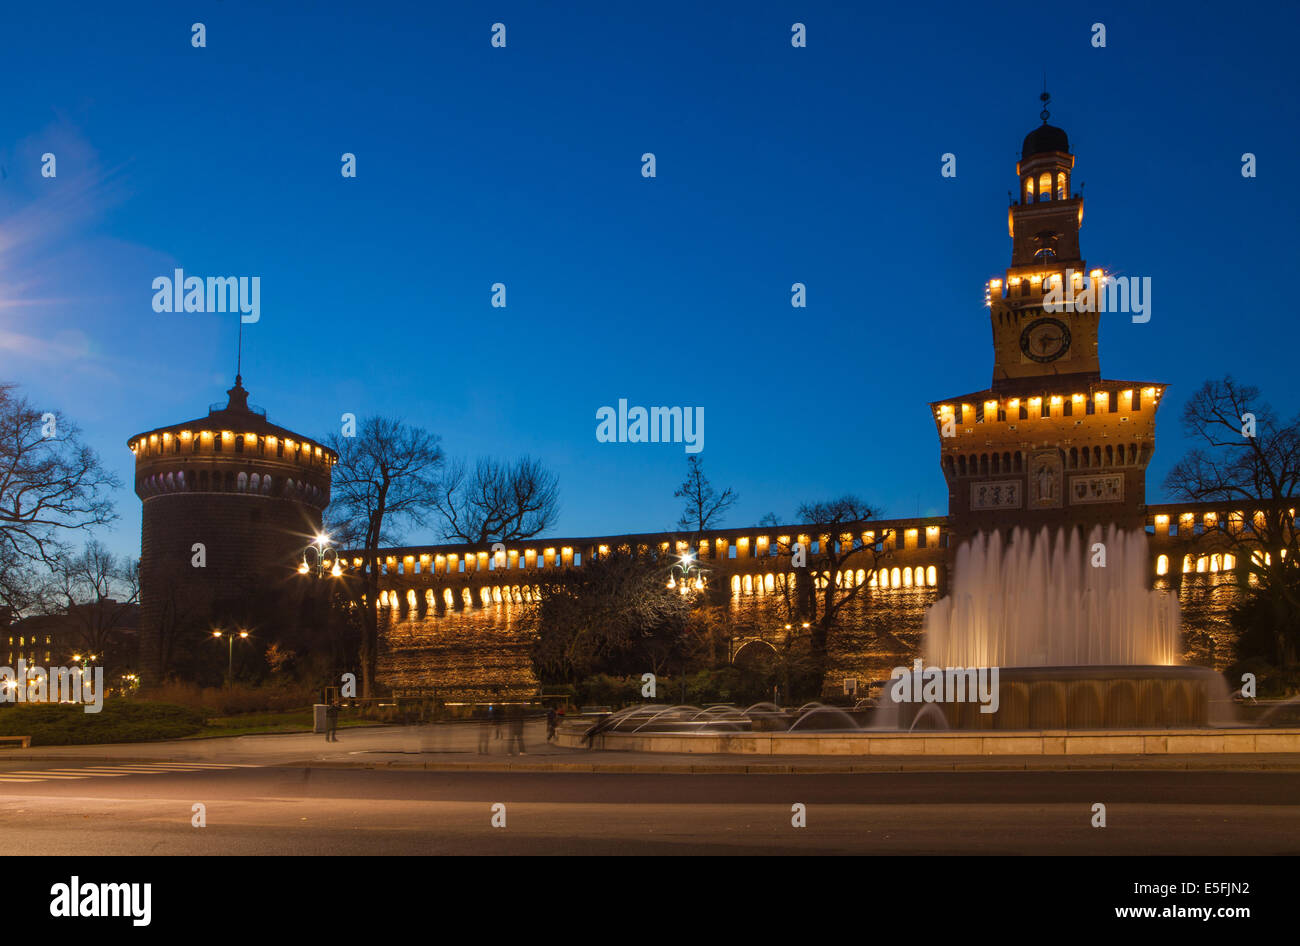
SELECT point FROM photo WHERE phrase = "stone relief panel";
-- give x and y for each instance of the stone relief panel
(998, 494)
(1105, 488)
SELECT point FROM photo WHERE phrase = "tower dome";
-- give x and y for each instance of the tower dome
(1043, 140)
(230, 501)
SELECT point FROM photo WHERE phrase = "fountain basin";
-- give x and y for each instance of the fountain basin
(1086, 697)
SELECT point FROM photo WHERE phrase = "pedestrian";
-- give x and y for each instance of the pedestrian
(550, 723)
(498, 722)
(485, 733)
(332, 722)
(517, 730)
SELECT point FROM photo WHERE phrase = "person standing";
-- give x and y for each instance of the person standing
(485, 733)
(517, 730)
(332, 722)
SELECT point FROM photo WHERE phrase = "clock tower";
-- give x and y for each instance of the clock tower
(1050, 442)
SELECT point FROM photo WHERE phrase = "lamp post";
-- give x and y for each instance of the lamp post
(230, 661)
(690, 573)
(325, 558)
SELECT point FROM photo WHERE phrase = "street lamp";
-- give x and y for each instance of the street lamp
(326, 559)
(692, 575)
(230, 663)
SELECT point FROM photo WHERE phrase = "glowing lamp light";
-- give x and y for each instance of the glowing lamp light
(302, 569)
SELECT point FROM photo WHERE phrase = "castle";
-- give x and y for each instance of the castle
(1049, 443)
(230, 501)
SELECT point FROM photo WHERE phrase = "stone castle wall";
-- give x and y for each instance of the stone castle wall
(450, 615)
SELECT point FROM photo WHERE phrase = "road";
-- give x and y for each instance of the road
(78, 808)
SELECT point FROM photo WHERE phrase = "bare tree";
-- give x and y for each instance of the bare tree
(386, 477)
(824, 586)
(52, 486)
(93, 589)
(1255, 466)
(498, 501)
(704, 506)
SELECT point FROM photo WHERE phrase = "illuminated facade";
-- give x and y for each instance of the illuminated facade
(1050, 443)
(230, 500)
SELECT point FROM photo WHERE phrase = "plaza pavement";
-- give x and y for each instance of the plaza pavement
(455, 747)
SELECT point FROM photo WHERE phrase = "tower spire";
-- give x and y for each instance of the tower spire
(1045, 98)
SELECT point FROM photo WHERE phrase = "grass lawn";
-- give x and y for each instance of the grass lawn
(56, 724)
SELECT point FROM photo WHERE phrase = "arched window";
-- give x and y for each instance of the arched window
(1029, 190)
(1045, 186)
(1162, 565)
(1060, 185)
(931, 576)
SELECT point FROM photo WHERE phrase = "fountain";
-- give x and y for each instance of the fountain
(1077, 637)
(1044, 632)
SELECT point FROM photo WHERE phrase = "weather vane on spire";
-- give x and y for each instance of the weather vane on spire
(1044, 98)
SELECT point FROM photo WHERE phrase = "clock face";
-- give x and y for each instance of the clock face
(1045, 339)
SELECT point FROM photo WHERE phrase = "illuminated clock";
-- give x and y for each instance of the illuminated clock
(1045, 340)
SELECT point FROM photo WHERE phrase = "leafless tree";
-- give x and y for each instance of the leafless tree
(1257, 470)
(52, 486)
(822, 588)
(498, 501)
(93, 587)
(386, 478)
(704, 505)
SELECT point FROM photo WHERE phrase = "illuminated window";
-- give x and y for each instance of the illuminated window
(931, 576)
(1060, 185)
(1045, 186)
(1162, 565)
(1029, 190)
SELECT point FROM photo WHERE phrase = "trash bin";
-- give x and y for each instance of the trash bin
(318, 717)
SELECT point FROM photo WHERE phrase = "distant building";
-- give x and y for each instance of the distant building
(104, 633)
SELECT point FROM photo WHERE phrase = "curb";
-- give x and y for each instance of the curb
(814, 768)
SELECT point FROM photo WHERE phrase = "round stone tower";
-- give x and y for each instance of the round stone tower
(230, 502)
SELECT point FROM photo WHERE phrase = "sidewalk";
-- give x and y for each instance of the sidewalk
(454, 748)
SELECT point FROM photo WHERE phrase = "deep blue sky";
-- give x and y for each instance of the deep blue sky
(522, 165)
